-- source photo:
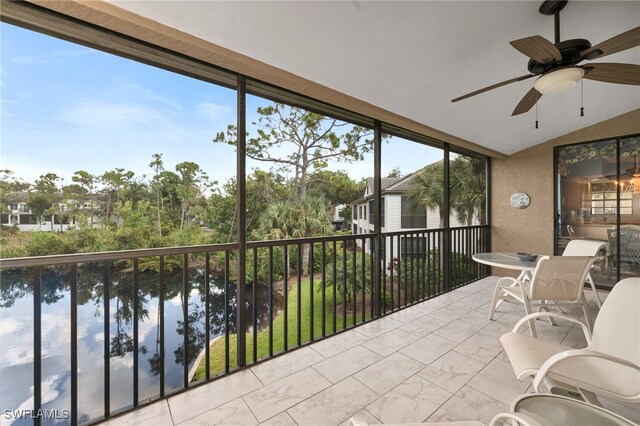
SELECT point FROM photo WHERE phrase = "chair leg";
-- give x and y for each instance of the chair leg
(494, 301)
(590, 398)
(585, 310)
(532, 323)
(546, 309)
(595, 292)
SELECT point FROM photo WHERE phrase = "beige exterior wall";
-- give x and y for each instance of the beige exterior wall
(531, 171)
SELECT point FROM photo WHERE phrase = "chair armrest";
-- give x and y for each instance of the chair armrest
(522, 419)
(576, 353)
(535, 315)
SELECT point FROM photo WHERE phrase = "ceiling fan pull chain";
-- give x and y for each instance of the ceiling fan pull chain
(536, 115)
(581, 98)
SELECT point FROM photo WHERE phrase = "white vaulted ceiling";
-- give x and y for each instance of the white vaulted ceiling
(412, 58)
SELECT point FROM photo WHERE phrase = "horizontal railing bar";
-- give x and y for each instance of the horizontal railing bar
(297, 241)
(63, 259)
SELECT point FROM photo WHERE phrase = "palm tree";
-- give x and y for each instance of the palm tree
(427, 189)
(300, 218)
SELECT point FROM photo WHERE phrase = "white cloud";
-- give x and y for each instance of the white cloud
(23, 60)
(121, 116)
(153, 97)
(212, 110)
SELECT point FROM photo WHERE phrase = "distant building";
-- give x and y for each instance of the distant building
(399, 213)
(17, 212)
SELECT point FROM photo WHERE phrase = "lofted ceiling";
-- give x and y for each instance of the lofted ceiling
(413, 57)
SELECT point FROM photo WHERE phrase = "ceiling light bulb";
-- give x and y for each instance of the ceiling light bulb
(559, 80)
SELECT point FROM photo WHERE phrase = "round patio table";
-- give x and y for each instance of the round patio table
(506, 261)
(552, 410)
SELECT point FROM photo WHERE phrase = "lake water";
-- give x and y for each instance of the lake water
(16, 335)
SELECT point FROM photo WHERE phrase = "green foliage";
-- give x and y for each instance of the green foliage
(344, 279)
(49, 243)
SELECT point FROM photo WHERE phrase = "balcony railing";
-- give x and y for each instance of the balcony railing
(171, 317)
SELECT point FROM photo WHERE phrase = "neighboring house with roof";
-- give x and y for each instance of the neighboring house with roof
(16, 212)
(399, 213)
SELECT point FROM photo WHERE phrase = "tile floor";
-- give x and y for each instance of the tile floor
(437, 361)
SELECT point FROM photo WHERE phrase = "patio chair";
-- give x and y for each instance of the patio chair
(558, 279)
(610, 364)
(586, 248)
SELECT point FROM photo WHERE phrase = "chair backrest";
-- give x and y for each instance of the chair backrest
(559, 277)
(617, 327)
(584, 247)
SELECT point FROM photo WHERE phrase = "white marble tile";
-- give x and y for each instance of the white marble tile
(480, 316)
(347, 363)
(276, 397)
(409, 314)
(481, 347)
(410, 402)
(424, 325)
(468, 404)
(498, 381)
(335, 344)
(282, 366)
(282, 419)
(156, 414)
(333, 405)
(203, 398)
(363, 415)
(458, 330)
(235, 412)
(379, 327)
(390, 342)
(501, 326)
(451, 371)
(389, 372)
(453, 311)
(429, 348)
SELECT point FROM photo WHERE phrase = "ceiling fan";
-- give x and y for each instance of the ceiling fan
(556, 64)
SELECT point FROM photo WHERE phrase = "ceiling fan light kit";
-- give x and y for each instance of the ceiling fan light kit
(557, 64)
(559, 80)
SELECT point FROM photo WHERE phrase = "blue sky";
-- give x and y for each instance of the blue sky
(65, 107)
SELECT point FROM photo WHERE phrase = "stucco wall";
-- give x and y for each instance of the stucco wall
(531, 171)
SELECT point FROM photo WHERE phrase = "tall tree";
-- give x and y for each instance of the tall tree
(115, 182)
(88, 182)
(158, 167)
(44, 195)
(193, 183)
(468, 188)
(297, 140)
(8, 184)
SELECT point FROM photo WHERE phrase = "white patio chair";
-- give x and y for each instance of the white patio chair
(610, 364)
(586, 248)
(559, 280)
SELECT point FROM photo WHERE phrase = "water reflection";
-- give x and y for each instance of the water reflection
(16, 334)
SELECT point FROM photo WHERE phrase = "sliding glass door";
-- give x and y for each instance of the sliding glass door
(598, 198)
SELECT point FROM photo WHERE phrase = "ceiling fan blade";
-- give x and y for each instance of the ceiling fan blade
(538, 48)
(613, 73)
(493, 86)
(527, 102)
(624, 41)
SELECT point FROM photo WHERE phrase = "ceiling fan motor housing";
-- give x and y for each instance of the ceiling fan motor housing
(570, 51)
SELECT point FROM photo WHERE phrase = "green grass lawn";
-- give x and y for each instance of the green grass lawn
(217, 354)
